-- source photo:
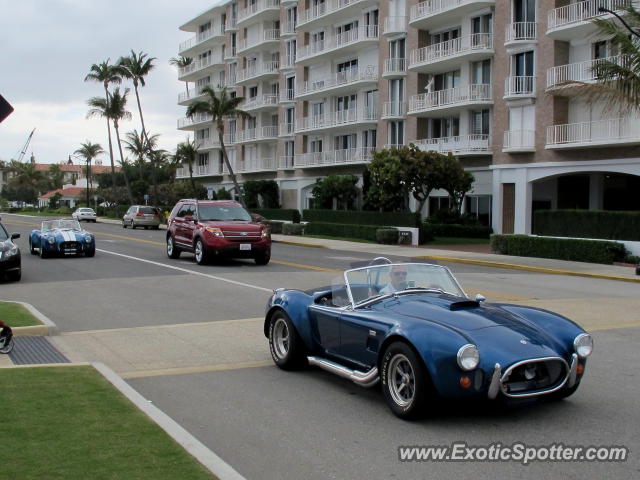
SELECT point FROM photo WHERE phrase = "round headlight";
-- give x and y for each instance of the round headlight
(583, 345)
(88, 238)
(468, 357)
(51, 240)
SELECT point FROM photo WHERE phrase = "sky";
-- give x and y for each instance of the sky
(46, 50)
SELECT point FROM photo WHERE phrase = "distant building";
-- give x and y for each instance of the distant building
(70, 196)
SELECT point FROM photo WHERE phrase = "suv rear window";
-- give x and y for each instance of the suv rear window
(220, 212)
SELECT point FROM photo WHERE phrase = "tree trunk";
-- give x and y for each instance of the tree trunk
(231, 173)
(124, 165)
(193, 182)
(88, 177)
(146, 139)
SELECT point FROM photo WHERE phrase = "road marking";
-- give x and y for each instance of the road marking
(122, 237)
(221, 367)
(186, 270)
(619, 326)
(308, 267)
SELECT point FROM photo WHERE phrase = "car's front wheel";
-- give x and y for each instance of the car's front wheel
(31, 249)
(43, 253)
(404, 381)
(287, 349)
(201, 253)
(16, 275)
(172, 250)
(262, 258)
(124, 225)
(90, 253)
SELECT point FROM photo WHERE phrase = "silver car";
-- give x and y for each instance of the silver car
(84, 213)
(141, 216)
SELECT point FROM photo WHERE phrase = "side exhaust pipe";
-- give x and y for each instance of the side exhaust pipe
(364, 379)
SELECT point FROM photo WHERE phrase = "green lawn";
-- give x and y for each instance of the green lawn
(346, 239)
(70, 423)
(459, 241)
(16, 315)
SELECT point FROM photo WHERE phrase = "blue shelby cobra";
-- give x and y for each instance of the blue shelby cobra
(62, 237)
(412, 327)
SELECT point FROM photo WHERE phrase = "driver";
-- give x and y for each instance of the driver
(397, 280)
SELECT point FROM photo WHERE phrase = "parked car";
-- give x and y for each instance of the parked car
(62, 237)
(83, 213)
(412, 328)
(216, 228)
(10, 259)
(141, 216)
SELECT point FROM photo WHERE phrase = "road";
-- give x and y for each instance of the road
(189, 338)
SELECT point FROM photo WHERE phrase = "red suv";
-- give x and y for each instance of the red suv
(213, 229)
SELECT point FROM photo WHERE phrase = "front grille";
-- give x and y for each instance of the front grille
(238, 237)
(534, 377)
(70, 246)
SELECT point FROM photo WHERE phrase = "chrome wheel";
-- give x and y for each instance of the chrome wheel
(280, 338)
(402, 380)
(170, 246)
(199, 251)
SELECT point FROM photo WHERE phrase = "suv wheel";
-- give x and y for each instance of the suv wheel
(262, 258)
(172, 250)
(201, 253)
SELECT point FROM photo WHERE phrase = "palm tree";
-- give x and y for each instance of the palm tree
(220, 106)
(186, 152)
(89, 151)
(181, 62)
(140, 148)
(105, 73)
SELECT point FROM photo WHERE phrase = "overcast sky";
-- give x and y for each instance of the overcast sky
(46, 49)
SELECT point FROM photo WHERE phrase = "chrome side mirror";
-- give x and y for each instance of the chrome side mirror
(480, 298)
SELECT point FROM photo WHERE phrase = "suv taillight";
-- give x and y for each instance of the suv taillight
(139, 214)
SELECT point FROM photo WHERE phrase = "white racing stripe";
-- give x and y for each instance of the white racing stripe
(68, 236)
(186, 270)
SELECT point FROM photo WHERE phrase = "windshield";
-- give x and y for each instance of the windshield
(3, 233)
(369, 282)
(62, 224)
(86, 210)
(222, 212)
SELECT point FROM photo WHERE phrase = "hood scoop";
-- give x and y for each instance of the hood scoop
(463, 305)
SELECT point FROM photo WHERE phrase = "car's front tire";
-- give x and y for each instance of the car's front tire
(405, 381)
(90, 253)
(43, 253)
(286, 346)
(262, 258)
(563, 393)
(15, 276)
(124, 225)
(202, 256)
(31, 249)
(172, 251)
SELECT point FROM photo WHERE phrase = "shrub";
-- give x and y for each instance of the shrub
(388, 236)
(456, 230)
(292, 228)
(290, 214)
(594, 251)
(398, 219)
(274, 226)
(588, 224)
(365, 232)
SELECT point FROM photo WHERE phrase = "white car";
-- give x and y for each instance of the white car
(87, 214)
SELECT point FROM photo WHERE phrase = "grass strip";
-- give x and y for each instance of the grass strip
(15, 315)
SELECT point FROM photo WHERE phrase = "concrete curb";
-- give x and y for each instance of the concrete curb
(47, 328)
(300, 244)
(197, 449)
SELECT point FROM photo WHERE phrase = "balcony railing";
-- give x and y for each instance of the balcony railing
(199, 64)
(256, 165)
(196, 92)
(519, 86)
(519, 140)
(395, 66)
(260, 101)
(394, 109)
(434, 7)
(231, 25)
(450, 97)
(457, 145)
(368, 73)
(600, 132)
(288, 61)
(329, 7)
(582, 11)
(338, 41)
(206, 143)
(287, 96)
(287, 129)
(334, 157)
(253, 71)
(337, 119)
(194, 120)
(581, 71)
(287, 162)
(450, 48)
(259, 6)
(259, 133)
(200, 170)
(394, 25)
(521, 32)
(215, 31)
(288, 28)
(264, 36)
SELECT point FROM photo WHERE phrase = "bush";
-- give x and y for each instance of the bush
(456, 230)
(388, 236)
(292, 228)
(594, 251)
(274, 226)
(397, 219)
(364, 232)
(588, 224)
(290, 214)
(426, 234)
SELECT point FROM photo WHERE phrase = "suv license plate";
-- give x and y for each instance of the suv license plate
(245, 246)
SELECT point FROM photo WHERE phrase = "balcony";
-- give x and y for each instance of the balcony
(346, 42)
(188, 123)
(287, 130)
(444, 56)
(287, 162)
(432, 13)
(260, 11)
(519, 87)
(231, 25)
(395, 68)
(601, 133)
(288, 96)
(201, 171)
(565, 79)
(573, 21)
(184, 98)
(459, 145)
(208, 143)
(265, 39)
(190, 72)
(519, 141)
(330, 11)
(394, 25)
(288, 62)
(352, 156)
(288, 29)
(231, 54)
(260, 102)
(339, 82)
(254, 72)
(339, 119)
(187, 48)
(258, 134)
(392, 110)
(450, 101)
(254, 165)
(520, 32)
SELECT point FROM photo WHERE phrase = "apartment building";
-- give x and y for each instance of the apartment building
(327, 82)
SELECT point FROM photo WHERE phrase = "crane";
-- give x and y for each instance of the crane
(23, 150)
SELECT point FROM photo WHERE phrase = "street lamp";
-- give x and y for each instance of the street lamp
(626, 25)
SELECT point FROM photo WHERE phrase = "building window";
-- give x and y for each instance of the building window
(346, 142)
(316, 145)
(445, 36)
(397, 48)
(369, 138)
(524, 11)
(396, 132)
(480, 122)
(445, 127)
(481, 72)
(480, 207)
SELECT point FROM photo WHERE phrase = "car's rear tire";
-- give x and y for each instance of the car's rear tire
(286, 346)
(405, 381)
(133, 225)
(172, 251)
(202, 256)
(8, 347)
(31, 249)
(262, 258)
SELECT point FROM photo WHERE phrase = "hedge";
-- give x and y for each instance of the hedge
(274, 226)
(290, 214)
(456, 230)
(594, 251)
(608, 225)
(357, 217)
(365, 232)
(388, 236)
(292, 228)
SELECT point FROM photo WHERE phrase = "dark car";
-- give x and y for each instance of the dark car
(10, 260)
(216, 228)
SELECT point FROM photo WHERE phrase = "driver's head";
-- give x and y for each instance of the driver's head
(398, 277)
